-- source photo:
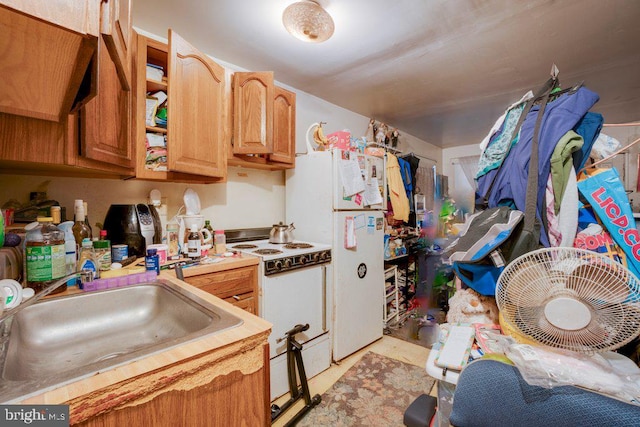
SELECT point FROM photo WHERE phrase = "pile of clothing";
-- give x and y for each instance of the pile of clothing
(401, 176)
(571, 200)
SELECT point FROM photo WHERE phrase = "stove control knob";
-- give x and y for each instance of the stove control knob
(323, 256)
(303, 259)
(316, 257)
(287, 263)
(277, 265)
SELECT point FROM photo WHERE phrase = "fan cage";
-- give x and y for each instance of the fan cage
(607, 293)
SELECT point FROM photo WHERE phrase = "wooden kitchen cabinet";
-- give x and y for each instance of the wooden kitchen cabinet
(284, 127)
(46, 49)
(224, 388)
(94, 141)
(115, 27)
(237, 286)
(105, 121)
(253, 112)
(263, 122)
(196, 116)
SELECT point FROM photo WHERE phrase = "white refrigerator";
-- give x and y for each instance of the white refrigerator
(321, 202)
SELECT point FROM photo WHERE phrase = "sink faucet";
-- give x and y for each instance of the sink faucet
(86, 276)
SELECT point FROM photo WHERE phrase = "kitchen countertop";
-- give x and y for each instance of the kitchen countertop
(226, 263)
(251, 327)
(236, 261)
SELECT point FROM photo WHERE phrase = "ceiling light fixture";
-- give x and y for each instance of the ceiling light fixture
(308, 21)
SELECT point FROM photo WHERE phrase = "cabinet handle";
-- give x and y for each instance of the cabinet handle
(236, 297)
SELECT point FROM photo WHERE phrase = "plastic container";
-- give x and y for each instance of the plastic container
(161, 250)
(56, 214)
(173, 240)
(220, 242)
(152, 260)
(71, 254)
(44, 254)
(119, 252)
(102, 249)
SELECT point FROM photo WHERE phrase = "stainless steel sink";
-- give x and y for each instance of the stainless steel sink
(60, 340)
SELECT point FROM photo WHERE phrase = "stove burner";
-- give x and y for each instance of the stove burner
(298, 245)
(267, 251)
(245, 246)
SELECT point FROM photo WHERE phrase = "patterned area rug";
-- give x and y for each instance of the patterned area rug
(374, 392)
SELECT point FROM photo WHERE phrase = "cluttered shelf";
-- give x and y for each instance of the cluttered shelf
(155, 85)
(156, 129)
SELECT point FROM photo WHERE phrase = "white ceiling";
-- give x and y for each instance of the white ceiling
(440, 70)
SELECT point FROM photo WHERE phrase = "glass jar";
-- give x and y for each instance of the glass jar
(220, 242)
(44, 255)
(173, 240)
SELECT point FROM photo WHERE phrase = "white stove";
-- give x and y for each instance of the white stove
(282, 257)
(293, 290)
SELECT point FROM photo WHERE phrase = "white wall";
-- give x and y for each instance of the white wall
(627, 164)
(459, 188)
(250, 198)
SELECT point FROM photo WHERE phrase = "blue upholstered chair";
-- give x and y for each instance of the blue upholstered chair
(493, 394)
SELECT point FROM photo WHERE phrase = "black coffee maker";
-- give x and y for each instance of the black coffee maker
(136, 226)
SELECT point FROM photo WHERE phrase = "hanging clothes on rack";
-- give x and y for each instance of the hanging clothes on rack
(561, 115)
(414, 162)
(588, 127)
(397, 192)
(405, 173)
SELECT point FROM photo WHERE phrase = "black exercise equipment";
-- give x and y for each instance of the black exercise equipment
(294, 357)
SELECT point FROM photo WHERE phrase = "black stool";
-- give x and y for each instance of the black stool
(420, 412)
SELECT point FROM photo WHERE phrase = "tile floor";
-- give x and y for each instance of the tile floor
(387, 346)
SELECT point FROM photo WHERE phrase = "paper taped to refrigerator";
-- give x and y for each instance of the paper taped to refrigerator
(351, 175)
(350, 241)
(372, 194)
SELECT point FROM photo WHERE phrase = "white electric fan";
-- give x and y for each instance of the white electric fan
(570, 298)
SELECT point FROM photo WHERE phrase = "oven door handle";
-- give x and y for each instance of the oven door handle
(324, 298)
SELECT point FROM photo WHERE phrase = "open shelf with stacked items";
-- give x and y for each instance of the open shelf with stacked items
(405, 284)
(407, 288)
(180, 98)
(391, 298)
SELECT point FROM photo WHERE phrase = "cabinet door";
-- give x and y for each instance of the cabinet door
(284, 127)
(115, 28)
(46, 48)
(195, 125)
(105, 121)
(238, 286)
(253, 112)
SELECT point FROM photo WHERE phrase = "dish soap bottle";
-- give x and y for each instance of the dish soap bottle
(87, 260)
